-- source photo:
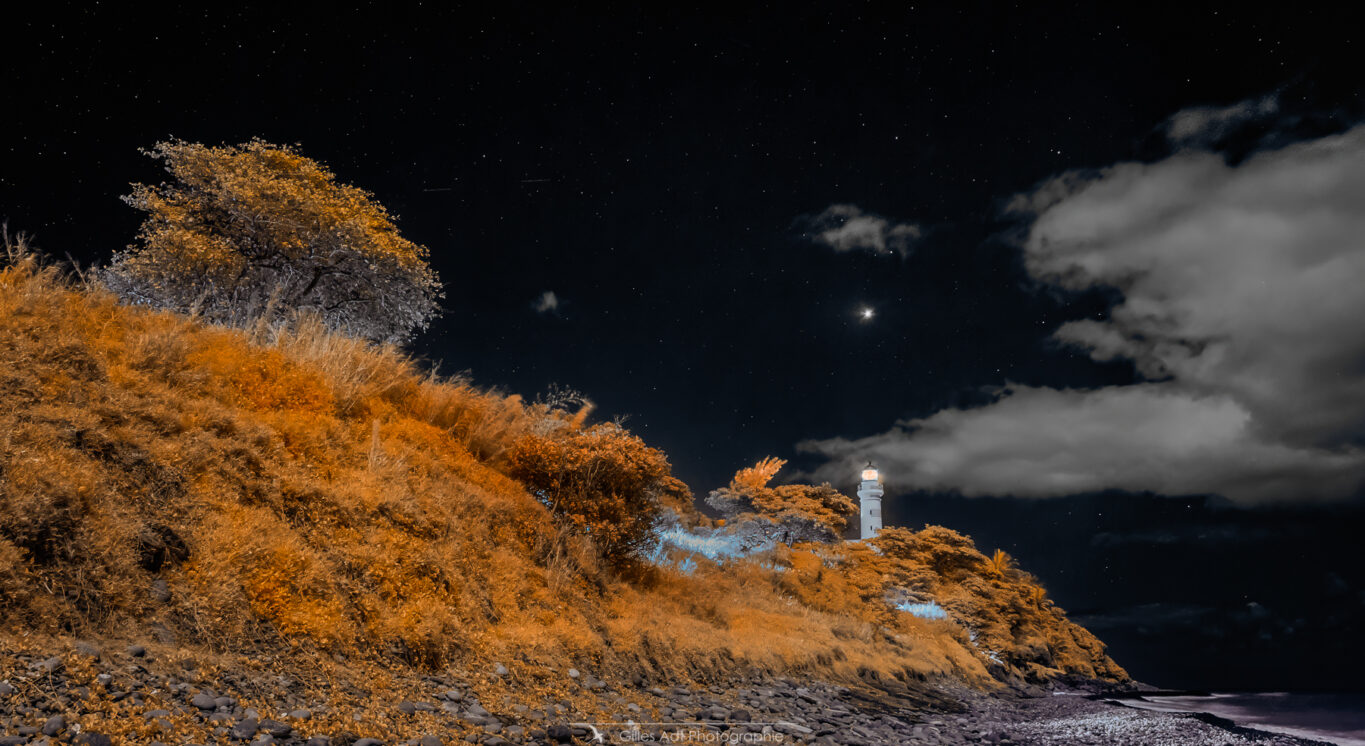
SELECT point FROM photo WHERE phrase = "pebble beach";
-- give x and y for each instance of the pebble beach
(134, 694)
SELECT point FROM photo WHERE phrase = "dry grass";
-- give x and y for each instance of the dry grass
(300, 490)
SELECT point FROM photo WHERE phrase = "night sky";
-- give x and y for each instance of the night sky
(685, 216)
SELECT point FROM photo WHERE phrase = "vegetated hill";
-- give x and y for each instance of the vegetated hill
(297, 490)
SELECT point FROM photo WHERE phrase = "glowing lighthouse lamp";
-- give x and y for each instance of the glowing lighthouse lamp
(870, 499)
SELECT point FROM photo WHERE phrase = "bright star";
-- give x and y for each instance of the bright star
(867, 313)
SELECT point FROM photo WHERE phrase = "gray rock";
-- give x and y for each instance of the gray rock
(318, 741)
(137, 651)
(429, 740)
(265, 740)
(161, 592)
(559, 733)
(500, 670)
(573, 673)
(94, 739)
(6, 689)
(54, 725)
(302, 713)
(13, 740)
(368, 742)
(245, 728)
(276, 728)
(151, 714)
(51, 665)
(204, 701)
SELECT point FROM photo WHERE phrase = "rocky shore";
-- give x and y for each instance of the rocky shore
(130, 694)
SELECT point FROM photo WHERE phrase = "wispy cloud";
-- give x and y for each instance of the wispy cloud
(1241, 307)
(546, 302)
(1198, 125)
(845, 227)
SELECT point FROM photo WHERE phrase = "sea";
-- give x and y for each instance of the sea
(1334, 718)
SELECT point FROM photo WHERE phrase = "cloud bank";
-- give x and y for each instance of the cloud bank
(1243, 306)
(844, 227)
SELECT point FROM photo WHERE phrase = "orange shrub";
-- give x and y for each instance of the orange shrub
(601, 480)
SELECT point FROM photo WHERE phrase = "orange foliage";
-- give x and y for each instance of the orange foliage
(602, 480)
(756, 477)
(255, 232)
(302, 489)
(1006, 609)
(796, 512)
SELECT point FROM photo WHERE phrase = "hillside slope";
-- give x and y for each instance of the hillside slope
(288, 491)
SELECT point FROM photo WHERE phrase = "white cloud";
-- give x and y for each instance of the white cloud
(547, 302)
(844, 227)
(1153, 437)
(1200, 124)
(1243, 304)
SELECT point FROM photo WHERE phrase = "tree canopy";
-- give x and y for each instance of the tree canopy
(788, 513)
(259, 232)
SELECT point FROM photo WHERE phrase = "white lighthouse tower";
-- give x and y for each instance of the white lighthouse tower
(870, 499)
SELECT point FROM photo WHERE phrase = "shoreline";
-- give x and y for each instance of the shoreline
(1152, 702)
(1066, 717)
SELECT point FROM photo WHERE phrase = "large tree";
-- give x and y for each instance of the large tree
(259, 232)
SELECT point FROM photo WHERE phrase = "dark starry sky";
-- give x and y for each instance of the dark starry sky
(651, 166)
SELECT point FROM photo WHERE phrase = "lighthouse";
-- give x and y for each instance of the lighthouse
(870, 499)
